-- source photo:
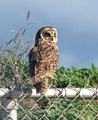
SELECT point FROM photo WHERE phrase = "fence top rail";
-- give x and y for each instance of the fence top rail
(71, 93)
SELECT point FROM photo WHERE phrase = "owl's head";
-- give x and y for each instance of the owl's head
(47, 33)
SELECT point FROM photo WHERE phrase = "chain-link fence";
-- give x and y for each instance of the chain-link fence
(56, 104)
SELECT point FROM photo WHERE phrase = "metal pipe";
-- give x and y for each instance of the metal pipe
(86, 93)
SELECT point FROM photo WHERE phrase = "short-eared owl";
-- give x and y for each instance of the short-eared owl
(43, 58)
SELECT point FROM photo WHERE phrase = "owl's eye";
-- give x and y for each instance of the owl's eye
(47, 34)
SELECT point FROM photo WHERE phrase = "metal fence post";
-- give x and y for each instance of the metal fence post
(9, 109)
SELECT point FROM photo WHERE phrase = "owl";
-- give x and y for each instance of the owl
(43, 59)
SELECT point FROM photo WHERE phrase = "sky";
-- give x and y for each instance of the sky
(75, 20)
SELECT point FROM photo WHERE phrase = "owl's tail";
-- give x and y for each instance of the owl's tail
(41, 84)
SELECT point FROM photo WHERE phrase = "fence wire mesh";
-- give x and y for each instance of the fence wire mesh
(14, 73)
(54, 108)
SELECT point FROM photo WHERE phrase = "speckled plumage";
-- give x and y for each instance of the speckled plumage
(43, 58)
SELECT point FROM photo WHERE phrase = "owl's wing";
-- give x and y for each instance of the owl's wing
(43, 61)
(32, 61)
